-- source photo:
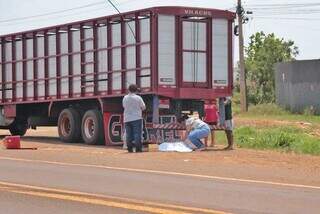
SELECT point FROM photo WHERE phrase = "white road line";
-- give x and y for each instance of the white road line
(167, 173)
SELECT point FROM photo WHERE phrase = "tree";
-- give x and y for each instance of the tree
(261, 55)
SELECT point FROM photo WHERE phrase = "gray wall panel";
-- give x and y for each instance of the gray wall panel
(298, 85)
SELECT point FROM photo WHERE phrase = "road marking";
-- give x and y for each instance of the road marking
(97, 199)
(167, 173)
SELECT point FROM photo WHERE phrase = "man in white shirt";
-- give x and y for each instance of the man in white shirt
(133, 106)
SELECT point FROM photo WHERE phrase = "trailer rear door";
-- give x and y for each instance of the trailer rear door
(194, 53)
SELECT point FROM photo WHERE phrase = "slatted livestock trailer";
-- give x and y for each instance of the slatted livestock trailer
(74, 75)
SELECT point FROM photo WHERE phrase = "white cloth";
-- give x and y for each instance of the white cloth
(133, 106)
(174, 147)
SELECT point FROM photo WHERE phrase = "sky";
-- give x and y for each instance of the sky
(298, 20)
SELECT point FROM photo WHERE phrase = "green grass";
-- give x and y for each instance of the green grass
(220, 137)
(267, 109)
(272, 111)
(286, 139)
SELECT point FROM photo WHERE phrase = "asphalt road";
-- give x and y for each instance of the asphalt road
(16, 203)
(51, 187)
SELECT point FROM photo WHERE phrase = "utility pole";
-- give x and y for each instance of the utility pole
(243, 84)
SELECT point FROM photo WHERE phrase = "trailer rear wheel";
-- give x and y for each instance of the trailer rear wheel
(18, 127)
(69, 126)
(92, 128)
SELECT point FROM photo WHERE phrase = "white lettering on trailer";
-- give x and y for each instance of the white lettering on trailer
(198, 12)
(115, 128)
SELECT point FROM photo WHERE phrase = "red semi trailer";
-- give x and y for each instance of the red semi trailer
(74, 75)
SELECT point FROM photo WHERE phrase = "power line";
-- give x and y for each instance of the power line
(134, 36)
(285, 21)
(23, 19)
(285, 18)
(284, 9)
(51, 13)
(49, 18)
(62, 16)
(110, 2)
(293, 12)
(283, 5)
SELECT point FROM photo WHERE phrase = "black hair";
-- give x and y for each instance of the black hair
(183, 118)
(133, 88)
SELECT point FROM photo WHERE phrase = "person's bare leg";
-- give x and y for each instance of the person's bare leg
(229, 135)
(183, 134)
(213, 143)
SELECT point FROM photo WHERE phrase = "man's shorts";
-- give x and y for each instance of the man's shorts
(229, 125)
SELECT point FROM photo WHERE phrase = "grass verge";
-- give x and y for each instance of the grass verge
(286, 139)
(265, 131)
(272, 111)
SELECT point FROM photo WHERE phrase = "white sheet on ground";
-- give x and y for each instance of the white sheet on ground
(174, 147)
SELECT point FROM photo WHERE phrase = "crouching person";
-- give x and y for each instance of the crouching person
(196, 130)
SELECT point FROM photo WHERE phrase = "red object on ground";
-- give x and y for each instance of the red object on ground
(211, 114)
(11, 142)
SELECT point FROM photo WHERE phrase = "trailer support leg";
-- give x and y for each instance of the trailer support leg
(155, 109)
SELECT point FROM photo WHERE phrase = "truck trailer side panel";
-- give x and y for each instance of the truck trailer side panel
(187, 47)
(77, 72)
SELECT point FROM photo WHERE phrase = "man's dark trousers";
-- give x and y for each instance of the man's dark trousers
(133, 133)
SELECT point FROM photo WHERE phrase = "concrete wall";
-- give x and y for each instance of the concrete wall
(298, 85)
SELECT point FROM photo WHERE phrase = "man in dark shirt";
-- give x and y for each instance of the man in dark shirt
(228, 122)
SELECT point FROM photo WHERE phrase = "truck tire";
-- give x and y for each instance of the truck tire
(69, 126)
(18, 127)
(92, 128)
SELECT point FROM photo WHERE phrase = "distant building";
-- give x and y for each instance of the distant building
(298, 85)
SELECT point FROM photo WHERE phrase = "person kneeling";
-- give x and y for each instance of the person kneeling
(196, 130)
